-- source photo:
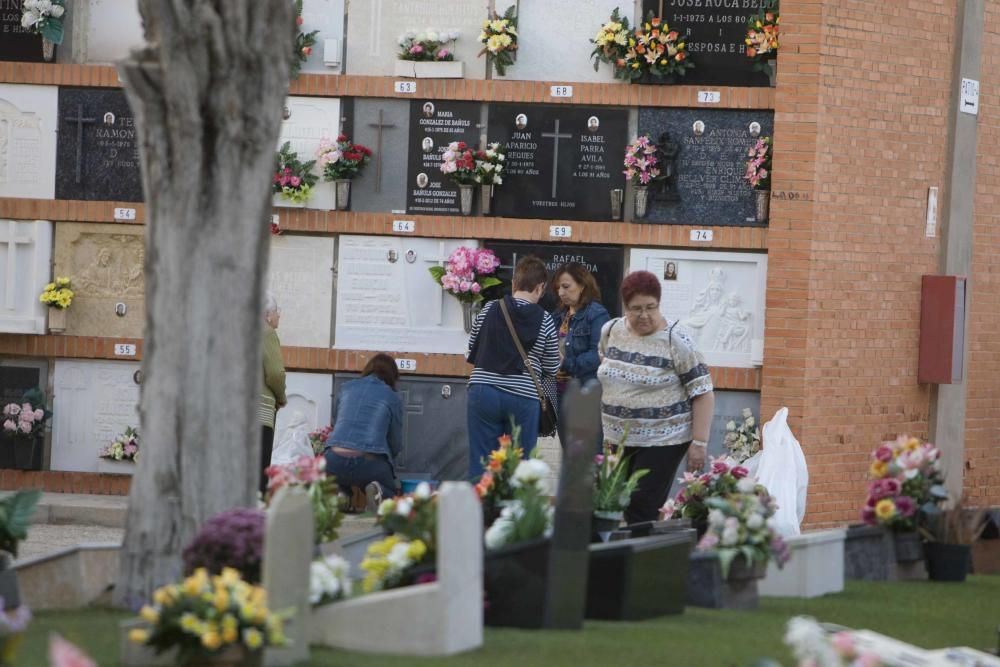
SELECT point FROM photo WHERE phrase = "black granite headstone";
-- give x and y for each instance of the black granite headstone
(17, 43)
(562, 162)
(710, 189)
(16, 380)
(606, 263)
(714, 31)
(97, 150)
(434, 125)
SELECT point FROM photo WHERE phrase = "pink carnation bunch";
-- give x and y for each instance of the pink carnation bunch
(467, 272)
(758, 172)
(641, 162)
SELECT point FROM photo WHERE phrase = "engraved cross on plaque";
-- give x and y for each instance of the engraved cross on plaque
(441, 258)
(555, 136)
(378, 150)
(12, 239)
(80, 122)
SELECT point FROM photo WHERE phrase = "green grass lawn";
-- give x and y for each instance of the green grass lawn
(931, 615)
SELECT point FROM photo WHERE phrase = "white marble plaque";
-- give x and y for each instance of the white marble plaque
(308, 120)
(114, 27)
(25, 257)
(92, 404)
(542, 58)
(300, 276)
(309, 394)
(718, 296)
(374, 27)
(28, 122)
(327, 16)
(388, 301)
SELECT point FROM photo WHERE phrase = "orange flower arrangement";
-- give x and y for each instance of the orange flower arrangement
(655, 49)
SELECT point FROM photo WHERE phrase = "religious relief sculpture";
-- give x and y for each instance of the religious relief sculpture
(114, 270)
(719, 324)
(667, 152)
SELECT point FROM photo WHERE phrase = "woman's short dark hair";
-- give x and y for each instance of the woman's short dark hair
(384, 368)
(579, 273)
(640, 283)
(529, 273)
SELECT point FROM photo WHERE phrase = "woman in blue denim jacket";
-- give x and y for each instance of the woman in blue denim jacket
(367, 433)
(580, 318)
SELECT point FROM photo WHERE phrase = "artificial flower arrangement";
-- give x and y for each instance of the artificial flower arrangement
(528, 515)
(907, 484)
(762, 36)
(720, 481)
(413, 516)
(641, 163)
(207, 613)
(275, 227)
(458, 162)
(428, 45)
(489, 165)
(304, 41)
(293, 179)
(758, 171)
(45, 18)
(611, 42)
(467, 272)
(613, 483)
(499, 39)
(58, 294)
(813, 645)
(317, 439)
(26, 420)
(234, 538)
(341, 159)
(388, 562)
(309, 473)
(495, 484)
(653, 48)
(329, 580)
(738, 525)
(124, 448)
(743, 439)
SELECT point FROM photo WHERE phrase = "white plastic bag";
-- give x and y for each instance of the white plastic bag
(783, 471)
(294, 441)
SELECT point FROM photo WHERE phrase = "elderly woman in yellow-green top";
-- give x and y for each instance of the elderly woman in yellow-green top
(272, 392)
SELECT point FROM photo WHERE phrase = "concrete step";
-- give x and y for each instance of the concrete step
(81, 509)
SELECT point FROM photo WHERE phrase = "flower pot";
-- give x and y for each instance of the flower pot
(947, 562)
(466, 195)
(763, 205)
(343, 193)
(486, 198)
(6, 452)
(231, 656)
(28, 453)
(470, 310)
(772, 71)
(430, 70)
(113, 467)
(279, 200)
(57, 320)
(602, 524)
(9, 590)
(617, 197)
(868, 554)
(641, 200)
(514, 578)
(708, 588)
(48, 50)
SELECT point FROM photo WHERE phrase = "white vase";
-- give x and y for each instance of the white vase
(466, 194)
(430, 70)
(343, 200)
(486, 198)
(279, 201)
(57, 320)
(110, 466)
(48, 50)
(763, 202)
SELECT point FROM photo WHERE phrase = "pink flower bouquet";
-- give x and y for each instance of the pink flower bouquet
(458, 162)
(720, 481)
(907, 482)
(124, 448)
(309, 473)
(641, 162)
(758, 173)
(467, 273)
(26, 419)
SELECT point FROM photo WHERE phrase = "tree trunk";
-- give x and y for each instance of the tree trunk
(207, 95)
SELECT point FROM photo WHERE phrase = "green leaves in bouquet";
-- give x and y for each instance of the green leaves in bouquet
(16, 511)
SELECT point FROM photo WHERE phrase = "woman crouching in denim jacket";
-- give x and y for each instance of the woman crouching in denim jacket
(367, 432)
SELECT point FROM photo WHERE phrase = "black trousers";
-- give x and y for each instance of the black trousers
(266, 445)
(662, 463)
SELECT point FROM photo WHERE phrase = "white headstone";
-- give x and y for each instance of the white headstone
(114, 27)
(92, 404)
(542, 58)
(374, 27)
(25, 257)
(288, 553)
(300, 276)
(388, 301)
(309, 394)
(308, 120)
(327, 16)
(28, 122)
(718, 296)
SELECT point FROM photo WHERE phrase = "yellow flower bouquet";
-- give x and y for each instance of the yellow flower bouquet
(206, 614)
(389, 561)
(58, 294)
(499, 39)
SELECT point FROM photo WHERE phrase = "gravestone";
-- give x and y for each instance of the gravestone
(542, 58)
(25, 256)
(92, 404)
(717, 296)
(19, 375)
(307, 121)
(28, 125)
(606, 263)
(709, 188)
(326, 16)
(562, 161)
(309, 395)
(17, 43)
(383, 126)
(715, 32)
(112, 29)
(434, 125)
(435, 435)
(105, 262)
(288, 553)
(388, 301)
(97, 151)
(300, 277)
(374, 27)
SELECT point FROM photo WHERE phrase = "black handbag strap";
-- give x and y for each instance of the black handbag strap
(524, 357)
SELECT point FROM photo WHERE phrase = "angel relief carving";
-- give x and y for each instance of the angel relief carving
(719, 323)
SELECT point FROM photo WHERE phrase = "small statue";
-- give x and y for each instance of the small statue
(667, 152)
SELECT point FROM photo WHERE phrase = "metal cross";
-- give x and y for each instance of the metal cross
(12, 239)
(378, 150)
(555, 136)
(80, 121)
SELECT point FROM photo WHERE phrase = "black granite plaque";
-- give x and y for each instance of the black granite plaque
(709, 187)
(715, 31)
(96, 150)
(434, 125)
(17, 43)
(562, 162)
(16, 380)
(606, 263)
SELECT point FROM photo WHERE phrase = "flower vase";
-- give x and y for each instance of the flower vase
(602, 524)
(466, 194)
(486, 195)
(469, 311)
(617, 197)
(48, 50)
(113, 467)
(236, 655)
(280, 201)
(947, 562)
(763, 205)
(772, 71)
(641, 200)
(57, 320)
(28, 453)
(343, 193)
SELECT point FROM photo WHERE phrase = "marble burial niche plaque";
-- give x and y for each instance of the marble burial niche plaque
(25, 270)
(29, 119)
(307, 120)
(17, 43)
(17, 376)
(433, 125)
(383, 126)
(300, 277)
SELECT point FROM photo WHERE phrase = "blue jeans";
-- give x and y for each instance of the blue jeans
(490, 413)
(359, 471)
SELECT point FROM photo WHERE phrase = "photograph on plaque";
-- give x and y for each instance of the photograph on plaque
(434, 125)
